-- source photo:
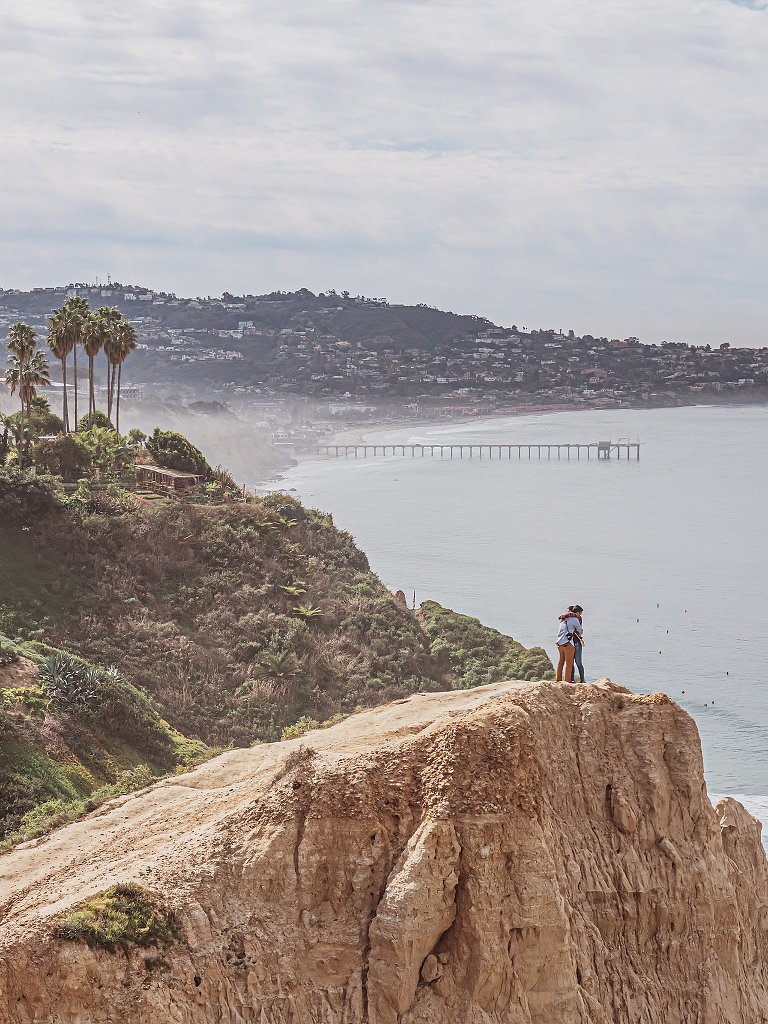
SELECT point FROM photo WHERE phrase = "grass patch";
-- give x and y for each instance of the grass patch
(62, 781)
(191, 752)
(122, 916)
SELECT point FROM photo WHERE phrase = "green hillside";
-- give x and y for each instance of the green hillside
(230, 622)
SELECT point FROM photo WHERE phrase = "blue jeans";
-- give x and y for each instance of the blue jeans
(577, 662)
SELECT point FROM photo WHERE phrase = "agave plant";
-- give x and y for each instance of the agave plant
(294, 589)
(69, 684)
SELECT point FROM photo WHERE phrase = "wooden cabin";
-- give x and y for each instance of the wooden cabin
(170, 482)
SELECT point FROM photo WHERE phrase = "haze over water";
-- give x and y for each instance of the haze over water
(667, 555)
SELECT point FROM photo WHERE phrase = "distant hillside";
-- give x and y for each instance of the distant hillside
(333, 345)
(346, 317)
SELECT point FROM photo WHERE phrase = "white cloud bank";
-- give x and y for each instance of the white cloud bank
(573, 163)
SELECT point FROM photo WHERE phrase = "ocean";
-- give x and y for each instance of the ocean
(668, 555)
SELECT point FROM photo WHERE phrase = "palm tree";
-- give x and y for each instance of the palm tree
(112, 318)
(27, 375)
(21, 344)
(126, 341)
(94, 335)
(60, 343)
(36, 375)
(77, 310)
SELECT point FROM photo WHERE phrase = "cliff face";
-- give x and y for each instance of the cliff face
(513, 854)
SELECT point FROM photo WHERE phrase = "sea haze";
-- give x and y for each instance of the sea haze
(667, 555)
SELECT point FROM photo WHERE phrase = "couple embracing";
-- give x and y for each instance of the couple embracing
(570, 643)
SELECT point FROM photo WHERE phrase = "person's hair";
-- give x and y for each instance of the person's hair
(575, 608)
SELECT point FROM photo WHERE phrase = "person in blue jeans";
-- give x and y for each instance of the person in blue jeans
(578, 644)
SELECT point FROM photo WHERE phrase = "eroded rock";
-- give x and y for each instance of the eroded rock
(516, 854)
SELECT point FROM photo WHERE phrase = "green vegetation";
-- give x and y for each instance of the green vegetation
(24, 496)
(174, 451)
(196, 606)
(476, 654)
(122, 916)
(300, 728)
(104, 699)
(73, 736)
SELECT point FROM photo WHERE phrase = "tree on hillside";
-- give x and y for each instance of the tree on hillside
(77, 310)
(28, 376)
(65, 456)
(96, 419)
(21, 344)
(94, 334)
(41, 419)
(60, 344)
(112, 318)
(126, 341)
(174, 451)
(28, 371)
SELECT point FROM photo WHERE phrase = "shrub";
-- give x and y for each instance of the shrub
(25, 496)
(100, 419)
(7, 655)
(299, 728)
(65, 456)
(174, 451)
(122, 916)
(103, 696)
(477, 654)
(23, 697)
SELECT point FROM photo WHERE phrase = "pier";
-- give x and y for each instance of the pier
(600, 450)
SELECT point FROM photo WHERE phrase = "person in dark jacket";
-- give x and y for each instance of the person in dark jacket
(578, 646)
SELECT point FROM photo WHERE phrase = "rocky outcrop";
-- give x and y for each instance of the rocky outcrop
(516, 854)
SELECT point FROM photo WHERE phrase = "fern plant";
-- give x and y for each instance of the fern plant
(308, 611)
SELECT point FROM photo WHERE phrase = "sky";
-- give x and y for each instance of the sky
(597, 166)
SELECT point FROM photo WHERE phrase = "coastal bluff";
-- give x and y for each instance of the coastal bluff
(513, 854)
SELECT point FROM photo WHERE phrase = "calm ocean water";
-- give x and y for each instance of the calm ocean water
(667, 555)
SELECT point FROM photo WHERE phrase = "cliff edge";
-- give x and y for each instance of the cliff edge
(512, 854)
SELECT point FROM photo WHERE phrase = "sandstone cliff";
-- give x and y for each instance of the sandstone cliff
(517, 853)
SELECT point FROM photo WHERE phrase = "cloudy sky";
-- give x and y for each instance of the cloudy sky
(594, 164)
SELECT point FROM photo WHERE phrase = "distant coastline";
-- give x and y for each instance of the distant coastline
(368, 432)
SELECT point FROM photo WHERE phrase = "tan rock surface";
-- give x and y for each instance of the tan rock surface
(515, 854)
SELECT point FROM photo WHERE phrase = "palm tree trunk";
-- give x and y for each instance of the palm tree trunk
(65, 408)
(117, 413)
(112, 391)
(21, 415)
(109, 389)
(74, 368)
(90, 391)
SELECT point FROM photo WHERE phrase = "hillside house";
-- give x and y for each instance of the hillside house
(170, 482)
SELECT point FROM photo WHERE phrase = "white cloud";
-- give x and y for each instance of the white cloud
(554, 162)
